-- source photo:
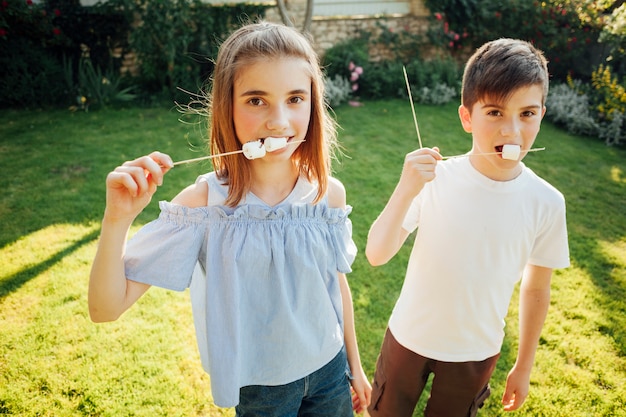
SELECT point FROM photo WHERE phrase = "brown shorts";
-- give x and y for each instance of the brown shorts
(459, 389)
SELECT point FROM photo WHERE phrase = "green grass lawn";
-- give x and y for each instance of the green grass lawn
(55, 362)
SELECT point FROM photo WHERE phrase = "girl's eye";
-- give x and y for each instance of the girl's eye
(256, 101)
(296, 100)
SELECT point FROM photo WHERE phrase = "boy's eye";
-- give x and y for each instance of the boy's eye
(528, 113)
(494, 113)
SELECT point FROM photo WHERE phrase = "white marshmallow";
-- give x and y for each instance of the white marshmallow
(272, 144)
(253, 149)
(511, 152)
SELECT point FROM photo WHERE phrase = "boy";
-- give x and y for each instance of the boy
(484, 222)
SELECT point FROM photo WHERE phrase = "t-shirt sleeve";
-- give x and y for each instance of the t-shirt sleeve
(411, 219)
(164, 252)
(551, 249)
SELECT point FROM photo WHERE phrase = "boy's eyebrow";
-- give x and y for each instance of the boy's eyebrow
(529, 107)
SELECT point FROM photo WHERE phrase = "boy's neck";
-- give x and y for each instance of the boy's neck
(494, 172)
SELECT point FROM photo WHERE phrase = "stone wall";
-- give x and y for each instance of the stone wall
(327, 31)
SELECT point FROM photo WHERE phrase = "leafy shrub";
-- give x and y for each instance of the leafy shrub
(566, 31)
(176, 41)
(570, 108)
(338, 90)
(36, 36)
(384, 79)
(439, 94)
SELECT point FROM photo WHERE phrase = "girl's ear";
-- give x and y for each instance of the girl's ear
(466, 118)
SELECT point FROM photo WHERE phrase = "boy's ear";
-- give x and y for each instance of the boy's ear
(466, 118)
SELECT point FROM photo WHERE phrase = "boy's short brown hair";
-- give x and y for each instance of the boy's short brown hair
(500, 67)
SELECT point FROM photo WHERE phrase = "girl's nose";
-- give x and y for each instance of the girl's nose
(278, 118)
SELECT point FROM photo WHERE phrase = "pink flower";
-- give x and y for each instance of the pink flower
(354, 76)
(359, 70)
(29, 2)
(351, 66)
(56, 31)
(57, 12)
(355, 87)
(438, 16)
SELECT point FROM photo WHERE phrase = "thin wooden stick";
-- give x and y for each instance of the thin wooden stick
(408, 89)
(489, 153)
(202, 158)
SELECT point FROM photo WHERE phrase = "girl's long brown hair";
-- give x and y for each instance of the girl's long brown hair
(247, 45)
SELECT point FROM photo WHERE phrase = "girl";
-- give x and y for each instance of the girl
(269, 239)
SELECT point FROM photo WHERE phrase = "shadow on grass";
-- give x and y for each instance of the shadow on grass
(14, 282)
(588, 254)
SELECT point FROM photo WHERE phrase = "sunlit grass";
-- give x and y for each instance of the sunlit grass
(55, 362)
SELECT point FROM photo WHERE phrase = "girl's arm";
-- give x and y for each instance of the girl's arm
(129, 189)
(387, 235)
(534, 300)
(360, 385)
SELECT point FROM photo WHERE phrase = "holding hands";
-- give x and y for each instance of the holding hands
(130, 187)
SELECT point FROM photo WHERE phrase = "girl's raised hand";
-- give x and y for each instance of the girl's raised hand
(130, 187)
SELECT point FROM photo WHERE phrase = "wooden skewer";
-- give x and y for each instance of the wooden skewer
(408, 89)
(490, 153)
(202, 158)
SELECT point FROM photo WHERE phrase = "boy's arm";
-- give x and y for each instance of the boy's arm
(534, 301)
(360, 385)
(387, 235)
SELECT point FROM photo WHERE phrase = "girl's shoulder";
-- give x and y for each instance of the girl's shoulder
(336, 193)
(195, 195)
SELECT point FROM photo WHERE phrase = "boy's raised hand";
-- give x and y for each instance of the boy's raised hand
(129, 188)
(419, 168)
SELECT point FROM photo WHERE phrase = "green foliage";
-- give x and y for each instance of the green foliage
(384, 78)
(35, 37)
(96, 87)
(557, 27)
(176, 41)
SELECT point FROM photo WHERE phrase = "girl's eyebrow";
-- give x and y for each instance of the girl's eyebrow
(265, 93)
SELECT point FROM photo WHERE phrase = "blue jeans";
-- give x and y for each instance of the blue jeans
(324, 393)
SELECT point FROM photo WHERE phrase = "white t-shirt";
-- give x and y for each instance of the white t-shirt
(474, 239)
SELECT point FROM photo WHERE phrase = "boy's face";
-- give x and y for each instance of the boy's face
(492, 125)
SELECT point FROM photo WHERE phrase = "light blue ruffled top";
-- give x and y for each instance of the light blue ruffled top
(268, 308)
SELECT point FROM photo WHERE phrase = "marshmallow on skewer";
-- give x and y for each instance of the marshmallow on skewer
(511, 152)
(272, 144)
(254, 149)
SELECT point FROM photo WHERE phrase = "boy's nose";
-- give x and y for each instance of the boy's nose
(510, 128)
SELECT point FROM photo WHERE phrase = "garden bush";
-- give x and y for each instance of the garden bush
(566, 30)
(434, 81)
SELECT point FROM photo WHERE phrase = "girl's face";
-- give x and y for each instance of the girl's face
(272, 98)
(492, 125)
